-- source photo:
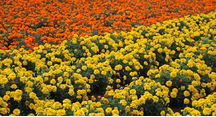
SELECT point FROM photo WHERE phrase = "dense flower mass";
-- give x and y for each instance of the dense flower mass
(29, 23)
(97, 58)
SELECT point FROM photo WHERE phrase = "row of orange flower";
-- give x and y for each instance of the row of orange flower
(27, 24)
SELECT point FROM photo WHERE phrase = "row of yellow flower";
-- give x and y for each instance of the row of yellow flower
(177, 56)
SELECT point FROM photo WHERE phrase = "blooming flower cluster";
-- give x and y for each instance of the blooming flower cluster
(145, 71)
(202, 107)
(28, 24)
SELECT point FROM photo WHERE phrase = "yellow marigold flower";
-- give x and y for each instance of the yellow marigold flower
(118, 80)
(115, 112)
(186, 93)
(4, 111)
(12, 76)
(75, 107)
(191, 87)
(79, 92)
(145, 63)
(157, 76)
(79, 97)
(108, 110)
(203, 85)
(78, 70)
(6, 97)
(13, 86)
(138, 82)
(60, 79)
(195, 83)
(197, 77)
(206, 111)
(16, 112)
(186, 101)
(66, 101)
(25, 63)
(123, 102)
(60, 112)
(147, 87)
(12, 115)
(84, 67)
(127, 68)
(134, 97)
(68, 82)
(214, 113)
(173, 74)
(91, 81)
(23, 79)
(182, 88)
(130, 63)
(54, 88)
(159, 93)
(209, 85)
(31, 106)
(63, 86)
(106, 46)
(50, 112)
(53, 81)
(132, 74)
(133, 92)
(118, 67)
(127, 108)
(3, 81)
(100, 110)
(175, 90)
(92, 76)
(210, 97)
(49, 63)
(17, 98)
(66, 74)
(213, 107)
(134, 78)
(108, 88)
(165, 88)
(7, 92)
(162, 113)
(67, 106)
(133, 105)
(29, 84)
(170, 111)
(98, 104)
(32, 95)
(45, 90)
(85, 110)
(173, 94)
(103, 73)
(90, 114)
(88, 86)
(136, 112)
(96, 71)
(190, 64)
(28, 89)
(160, 50)
(18, 92)
(169, 83)
(155, 99)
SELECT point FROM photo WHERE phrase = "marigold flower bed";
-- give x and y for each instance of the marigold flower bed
(28, 24)
(144, 70)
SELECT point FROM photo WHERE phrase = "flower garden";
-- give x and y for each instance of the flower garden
(107, 57)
